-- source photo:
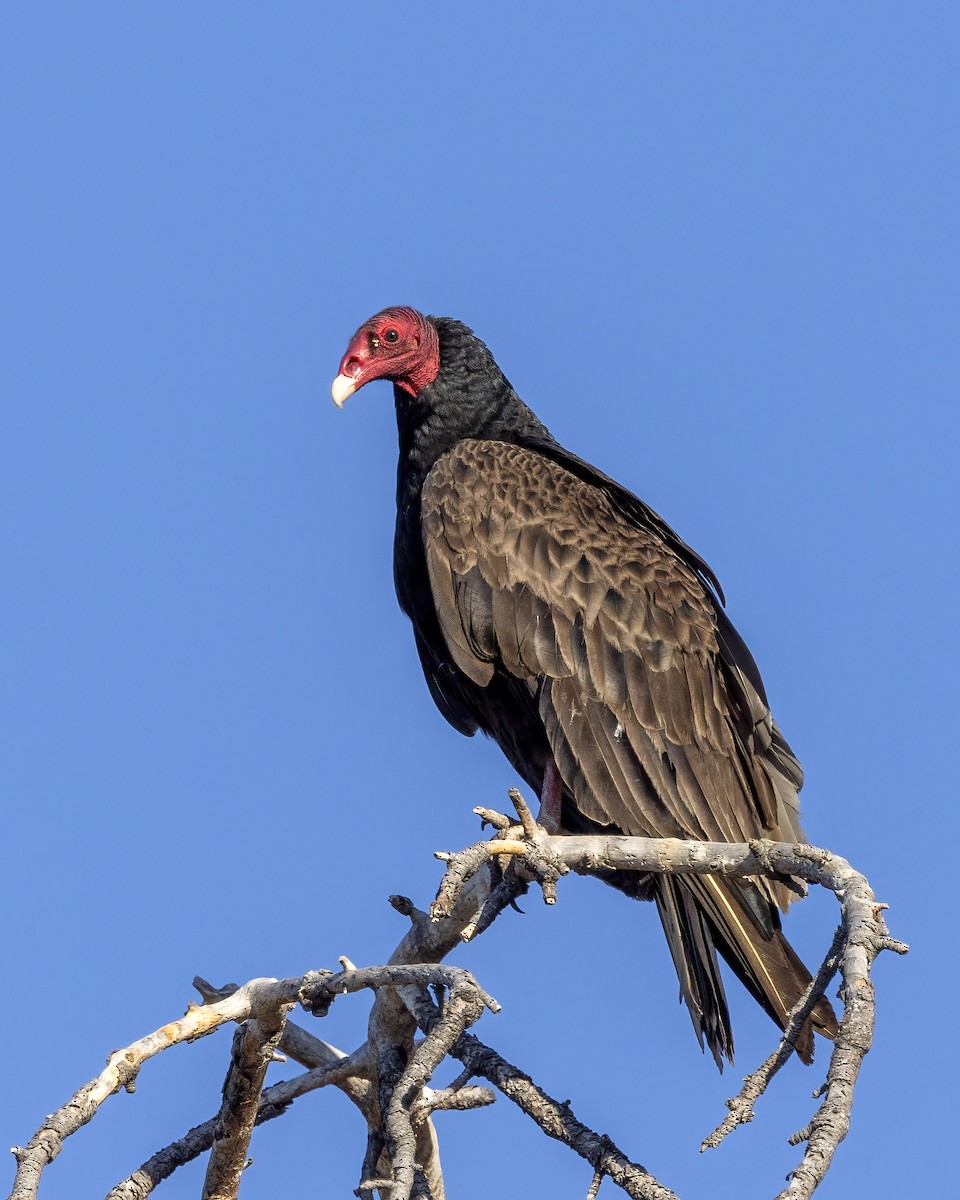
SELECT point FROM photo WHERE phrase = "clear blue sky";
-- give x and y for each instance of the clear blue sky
(715, 247)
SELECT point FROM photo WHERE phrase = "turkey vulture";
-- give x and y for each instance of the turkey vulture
(559, 614)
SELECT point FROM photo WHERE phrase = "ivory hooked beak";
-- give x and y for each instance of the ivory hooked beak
(343, 388)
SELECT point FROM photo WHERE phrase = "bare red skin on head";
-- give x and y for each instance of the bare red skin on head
(398, 344)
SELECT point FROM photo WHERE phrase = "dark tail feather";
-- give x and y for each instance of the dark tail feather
(694, 956)
(702, 914)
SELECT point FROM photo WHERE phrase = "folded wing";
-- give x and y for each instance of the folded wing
(539, 573)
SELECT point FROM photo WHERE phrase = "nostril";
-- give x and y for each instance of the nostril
(351, 366)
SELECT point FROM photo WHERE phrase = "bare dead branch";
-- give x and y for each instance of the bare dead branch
(594, 1189)
(450, 1099)
(391, 1029)
(274, 1102)
(319, 989)
(254, 1046)
(555, 1119)
(122, 1069)
(558, 1121)
(464, 1006)
(401, 1078)
(863, 935)
(741, 1106)
(309, 1051)
(388, 1077)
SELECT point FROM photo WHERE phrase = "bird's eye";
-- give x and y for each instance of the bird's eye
(391, 335)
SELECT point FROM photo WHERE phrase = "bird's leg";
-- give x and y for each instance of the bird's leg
(551, 798)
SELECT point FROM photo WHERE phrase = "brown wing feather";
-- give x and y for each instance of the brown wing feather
(535, 572)
(533, 568)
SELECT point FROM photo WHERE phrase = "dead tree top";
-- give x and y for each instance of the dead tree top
(423, 1013)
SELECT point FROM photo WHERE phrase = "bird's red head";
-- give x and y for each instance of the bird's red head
(398, 344)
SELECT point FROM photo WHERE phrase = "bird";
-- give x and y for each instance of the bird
(556, 612)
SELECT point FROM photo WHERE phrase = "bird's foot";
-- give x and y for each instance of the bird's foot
(520, 854)
(507, 827)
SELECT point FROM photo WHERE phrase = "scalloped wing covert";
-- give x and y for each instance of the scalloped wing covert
(534, 569)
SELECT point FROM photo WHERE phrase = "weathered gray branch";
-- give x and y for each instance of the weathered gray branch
(741, 1105)
(861, 937)
(555, 1119)
(274, 1102)
(387, 1077)
(254, 1047)
(122, 1069)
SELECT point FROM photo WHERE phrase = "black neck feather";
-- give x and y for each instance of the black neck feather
(470, 398)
